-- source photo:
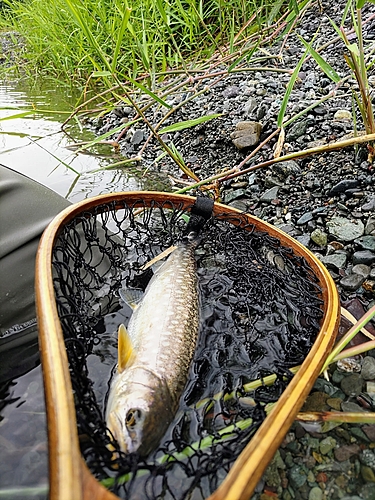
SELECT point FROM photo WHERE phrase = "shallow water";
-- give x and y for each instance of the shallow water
(33, 144)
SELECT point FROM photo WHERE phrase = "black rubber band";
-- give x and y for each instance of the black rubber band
(200, 213)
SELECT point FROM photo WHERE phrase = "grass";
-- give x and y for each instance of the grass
(107, 39)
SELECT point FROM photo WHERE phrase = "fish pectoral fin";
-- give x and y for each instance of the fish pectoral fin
(125, 349)
(131, 296)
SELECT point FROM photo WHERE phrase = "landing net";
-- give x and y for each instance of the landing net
(260, 314)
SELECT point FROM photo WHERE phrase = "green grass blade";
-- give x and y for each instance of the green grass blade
(295, 12)
(274, 11)
(18, 115)
(24, 491)
(120, 36)
(100, 74)
(80, 20)
(344, 341)
(176, 127)
(105, 136)
(336, 28)
(288, 91)
(322, 63)
(149, 93)
(294, 5)
(346, 10)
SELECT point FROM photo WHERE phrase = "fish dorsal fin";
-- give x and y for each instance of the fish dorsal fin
(125, 349)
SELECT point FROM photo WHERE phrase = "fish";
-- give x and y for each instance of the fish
(155, 353)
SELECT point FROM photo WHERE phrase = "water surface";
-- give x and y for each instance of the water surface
(36, 146)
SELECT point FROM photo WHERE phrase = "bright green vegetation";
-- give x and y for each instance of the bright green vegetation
(81, 39)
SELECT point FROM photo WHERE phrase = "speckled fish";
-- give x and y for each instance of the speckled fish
(154, 354)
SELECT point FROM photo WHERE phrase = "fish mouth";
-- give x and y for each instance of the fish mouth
(139, 420)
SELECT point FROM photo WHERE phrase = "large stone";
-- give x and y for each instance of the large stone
(345, 229)
(247, 134)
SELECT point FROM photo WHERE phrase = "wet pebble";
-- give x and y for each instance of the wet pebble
(343, 114)
(370, 226)
(368, 458)
(361, 269)
(368, 368)
(369, 430)
(343, 453)
(367, 492)
(327, 445)
(297, 130)
(352, 384)
(345, 229)
(352, 282)
(369, 206)
(343, 185)
(335, 261)
(137, 137)
(308, 216)
(349, 365)
(316, 493)
(366, 243)
(319, 237)
(367, 473)
(286, 168)
(269, 195)
(298, 476)
(364, 257)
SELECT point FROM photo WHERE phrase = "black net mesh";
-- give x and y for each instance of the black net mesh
(261, 311)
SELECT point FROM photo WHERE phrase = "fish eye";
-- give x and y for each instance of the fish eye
(132, 417)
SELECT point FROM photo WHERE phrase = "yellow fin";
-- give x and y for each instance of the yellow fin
(125, 349)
